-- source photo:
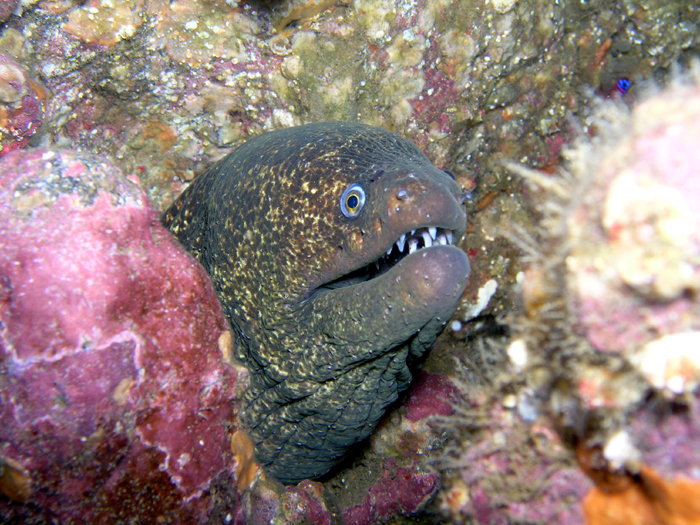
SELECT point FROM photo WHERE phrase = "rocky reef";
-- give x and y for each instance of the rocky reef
(566, 382)
(595, 419)
(113, 389)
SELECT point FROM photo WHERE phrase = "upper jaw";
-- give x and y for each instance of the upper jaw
(422, 238)
(406, 244)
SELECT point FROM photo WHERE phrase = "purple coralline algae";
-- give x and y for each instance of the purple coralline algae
(508, 468)
(400, 491)
(430, 395)
(114, 400)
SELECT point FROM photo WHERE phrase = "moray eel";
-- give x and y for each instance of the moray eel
(330, 248)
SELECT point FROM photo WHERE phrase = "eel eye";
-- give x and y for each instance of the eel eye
(352, 200)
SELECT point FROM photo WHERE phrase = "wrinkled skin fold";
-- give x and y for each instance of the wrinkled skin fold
(330, 326)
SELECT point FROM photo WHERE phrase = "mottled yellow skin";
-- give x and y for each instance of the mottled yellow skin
(326, 357)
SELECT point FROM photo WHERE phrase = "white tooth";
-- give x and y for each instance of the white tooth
(433, 232)
(427, 240)
(388, 252)
(376, 263)
(449, 237)
(401, 242)
(442, 239)
(412, 245)
(413, 232)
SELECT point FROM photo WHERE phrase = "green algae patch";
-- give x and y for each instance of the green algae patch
(331, 83)
(196, 32)
(327, 76)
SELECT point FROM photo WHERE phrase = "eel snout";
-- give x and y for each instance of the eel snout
(418, 209)
(423, 198)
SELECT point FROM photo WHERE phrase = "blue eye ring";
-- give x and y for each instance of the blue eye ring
(352, 200)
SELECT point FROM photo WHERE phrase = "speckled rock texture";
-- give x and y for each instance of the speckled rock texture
(396, 494)
(114, 397)
(513, 471)
(22, 105)
(399, 491)
(6, 8)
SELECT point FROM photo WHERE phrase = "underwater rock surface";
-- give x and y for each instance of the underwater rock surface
(597, 419)
(22, 105)
(6, 8)
(114, 395)
(165, 88)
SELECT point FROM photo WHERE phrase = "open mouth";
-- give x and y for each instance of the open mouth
(405, 245)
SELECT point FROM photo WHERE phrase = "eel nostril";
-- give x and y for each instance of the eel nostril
(464, 197)
(402, 194)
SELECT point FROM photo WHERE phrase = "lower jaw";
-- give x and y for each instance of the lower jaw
(424, 285)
